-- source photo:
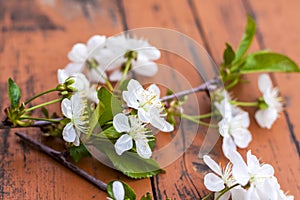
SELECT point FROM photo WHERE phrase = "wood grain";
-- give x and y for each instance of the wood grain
(275, 146)
(36, 35)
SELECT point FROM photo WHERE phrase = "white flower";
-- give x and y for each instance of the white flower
(118, 190)
(259, 176)
(224, 179)
(266, 117)
(146, 54)
(91, 53)
(233, 126)
(75, 110)
(148, 104)
(134, 130)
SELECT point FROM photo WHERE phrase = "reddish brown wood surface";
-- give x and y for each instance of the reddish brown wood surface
(36, 35)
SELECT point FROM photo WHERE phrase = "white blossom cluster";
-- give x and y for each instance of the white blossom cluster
(150, 110)
(103, 57)
(89, 65)
(233, 126)
(242, 180)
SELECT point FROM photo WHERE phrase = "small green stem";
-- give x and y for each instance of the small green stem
(207, 196)
(109, 85)
(198, 121)
(245, 104)
(203, 116)
(125, 72)
(44, 104)
(225, 190)
(42, 119)
(38, 95)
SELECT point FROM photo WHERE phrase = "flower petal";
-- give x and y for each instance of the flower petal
(228, 145)
(144, 116)
(81, 83)
(213, 183)
(238, 193)
(116, 75)
(224, 196)
(69, 133)
(73, 68)
(154, 89)
(212, 165)
(97, 75)
(239, 169)
(62, 75)
(241, 136)
(78, 53)
(66, 108)
(251, 194)
(224, 127)
(241, 120)
(143, 148)
(264, 83)
(252, 161)
(130, 96)
(121, 123)
(95, 42)
(150, 52)
(133, 85)
(130, 99)
(266, 170)
(161, 124)
(76, 141)
(118, 190)
(146, 68)
(124, 143)
(265, 118)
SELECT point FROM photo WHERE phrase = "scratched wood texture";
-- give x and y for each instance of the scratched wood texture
(36, 35)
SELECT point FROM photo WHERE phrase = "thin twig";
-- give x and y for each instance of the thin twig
(207, 86)
(35, 124)
(59, 157)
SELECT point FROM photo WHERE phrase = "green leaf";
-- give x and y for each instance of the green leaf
(79, 152)
(247, 39)
(129, 192)
(268, 62)
(228, 55)
(147, 196)
(111, 133)
(94, 119)
(45, 112)
(129, 163)
(14, 93)
(111, 104)
(124, 84)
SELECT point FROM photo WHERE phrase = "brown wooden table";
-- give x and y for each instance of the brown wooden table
(36, 35)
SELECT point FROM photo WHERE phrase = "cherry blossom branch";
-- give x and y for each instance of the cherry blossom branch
(60, 157)
(208, 85)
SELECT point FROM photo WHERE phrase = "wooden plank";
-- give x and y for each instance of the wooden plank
(275, 146)
(34, 41)
(280, 21)
(181, 181)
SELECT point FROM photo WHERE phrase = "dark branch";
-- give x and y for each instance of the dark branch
(59, 157)
(207, 86)
(3, 125)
